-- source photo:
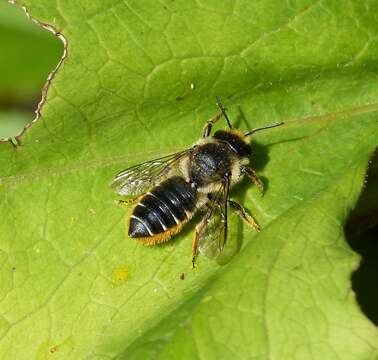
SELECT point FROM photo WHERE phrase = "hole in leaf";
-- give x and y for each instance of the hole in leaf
(361, 232)
(29, 53)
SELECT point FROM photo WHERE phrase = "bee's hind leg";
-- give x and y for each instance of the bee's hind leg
(131, 201)
(242, 213)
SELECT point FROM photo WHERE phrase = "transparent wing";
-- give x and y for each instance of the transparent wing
(139, 178)
(213, 234)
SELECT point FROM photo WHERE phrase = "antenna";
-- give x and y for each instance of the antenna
(219, 103)
(278, 123)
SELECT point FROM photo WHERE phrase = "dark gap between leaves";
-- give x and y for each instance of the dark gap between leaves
(361, 232)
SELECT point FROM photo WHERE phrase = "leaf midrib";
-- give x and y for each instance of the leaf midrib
(14, 180)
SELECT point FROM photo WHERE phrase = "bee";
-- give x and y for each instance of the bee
(170, 190)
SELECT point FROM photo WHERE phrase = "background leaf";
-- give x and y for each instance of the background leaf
(139, 82)
(28, 54)
(24, 70)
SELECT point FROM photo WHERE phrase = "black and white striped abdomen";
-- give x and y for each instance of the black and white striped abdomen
(164, 207)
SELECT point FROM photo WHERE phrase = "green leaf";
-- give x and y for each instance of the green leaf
(139, 82)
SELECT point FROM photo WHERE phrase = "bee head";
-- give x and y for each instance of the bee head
(235, 140)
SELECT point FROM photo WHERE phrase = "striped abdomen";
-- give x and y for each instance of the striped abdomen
(163, 210)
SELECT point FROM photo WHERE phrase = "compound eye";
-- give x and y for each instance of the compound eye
(240, 147)
(220, 134)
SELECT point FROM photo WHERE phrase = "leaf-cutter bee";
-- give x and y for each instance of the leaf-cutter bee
(171, 189)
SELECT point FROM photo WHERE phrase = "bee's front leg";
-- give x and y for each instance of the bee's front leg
(251, 174)
(209, 124)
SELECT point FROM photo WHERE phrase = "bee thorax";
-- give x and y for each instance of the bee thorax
(209, 163)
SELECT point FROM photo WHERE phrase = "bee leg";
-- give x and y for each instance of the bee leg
(240, 211)
(195, 248)
(130, 201)
(195, 241)
(254, 178)
(210, 123)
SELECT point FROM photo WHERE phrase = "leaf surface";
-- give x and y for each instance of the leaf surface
(139, 82)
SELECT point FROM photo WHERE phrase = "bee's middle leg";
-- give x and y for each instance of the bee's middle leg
(242, 213)
(195, 241)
